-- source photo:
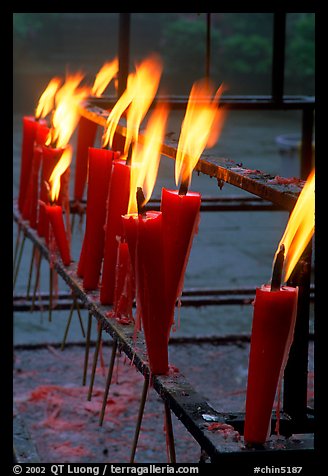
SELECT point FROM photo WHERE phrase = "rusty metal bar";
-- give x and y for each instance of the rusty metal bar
(224, 170)
(188, 405)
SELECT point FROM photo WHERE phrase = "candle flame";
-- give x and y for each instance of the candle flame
(200, 128)
(104, 77)
(139, 94)
(148, 75)
(66, 114)
(47, 98)
(59, 169)
(146, 157)
(300, 227)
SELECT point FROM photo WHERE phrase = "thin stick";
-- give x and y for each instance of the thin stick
(67, 325)
(183, 187)
(140, 201)
(87, 347)
(30, 273)
(169, 432)
(17, 244)
(277, 269)
(140, 415)
(19, 261)
(95, 360)
(108, 382)
(77, 305)
(73, 223)
(36, 282)
(50, 291)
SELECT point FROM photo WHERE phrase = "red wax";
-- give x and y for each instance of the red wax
(150, 284)
(117, 205)
(180, 223)
(30, 126)
(50, 158)
(124, 284)
(31, 206)
(272, 334)
(100, 167)
(86, 135)
(55, 215)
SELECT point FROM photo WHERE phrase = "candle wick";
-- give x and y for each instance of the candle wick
(183, 187)
(128, 159)
(140, 201)
(277, 269)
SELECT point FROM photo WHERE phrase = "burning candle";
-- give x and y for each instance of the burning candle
(87, 129)
(55, 212)
(274, 321)
(64, 121)
(117, 205)
(30, 210)
(144, 235)
(30, 127)
(139, 94)
(200, 128)
(100, 168)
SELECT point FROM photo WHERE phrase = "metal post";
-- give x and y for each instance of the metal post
(306, 147)
(278, 56)
(296, 372)
(208, 46)
(123, 51)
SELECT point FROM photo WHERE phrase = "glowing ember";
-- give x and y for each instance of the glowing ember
(104, 77)
(66, 114)
(146, 157)
(58, 171)
(200, 128)
(300, 227)
(46, 101)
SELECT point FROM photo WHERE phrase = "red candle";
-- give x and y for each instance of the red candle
(124, 286)
(117, 205)
(30, 209)
(86, 135)
(100, 167)
(272, 334)
(55, 216)
(30, 126)
(180, 223)
(150, 283)
(50, 158)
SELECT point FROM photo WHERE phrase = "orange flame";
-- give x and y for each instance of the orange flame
(66, 114)
(59, 169)
(148, 75)
(300, 227)
(47, 98)
(146, 157)
(117, 111)
(200, 128)
(139, 94)
(104, 77)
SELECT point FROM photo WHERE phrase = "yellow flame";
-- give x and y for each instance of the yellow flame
(47, 98)
(146, 157)
(300, 227)
(117, 111)
(148, 75)
(200, 128)
(104, 77)
(139, 94)
(59, 169)
(66, 114)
